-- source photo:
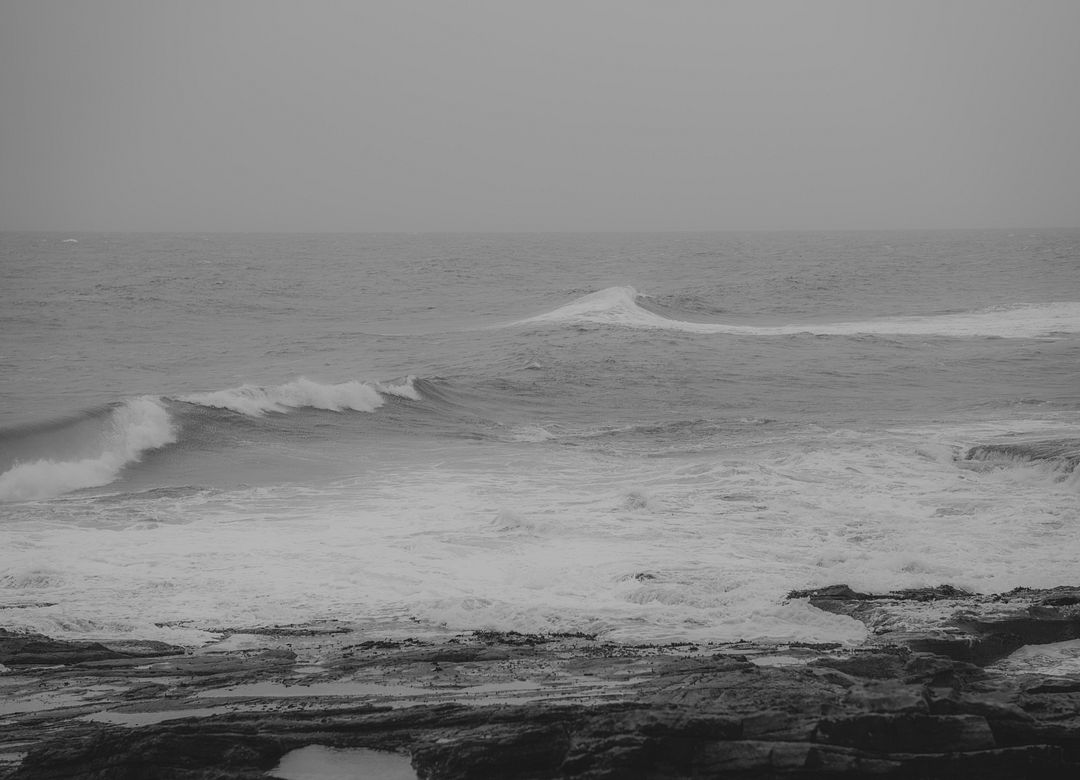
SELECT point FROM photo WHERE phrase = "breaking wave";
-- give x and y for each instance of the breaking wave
(625, 307)
(127, 432)
(1061, 455)
(93, 448)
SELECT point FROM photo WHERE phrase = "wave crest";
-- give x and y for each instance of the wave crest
(91, 449)
(613, 306)
(131, 429)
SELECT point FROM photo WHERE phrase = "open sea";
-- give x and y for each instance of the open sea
(649, 437)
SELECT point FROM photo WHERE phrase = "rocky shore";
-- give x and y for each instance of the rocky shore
(949, 684)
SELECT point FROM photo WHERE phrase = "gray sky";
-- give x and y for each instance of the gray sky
(546, 115)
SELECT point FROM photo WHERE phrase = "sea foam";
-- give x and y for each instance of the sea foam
(640, 550)
(132, 429)
(620, 306)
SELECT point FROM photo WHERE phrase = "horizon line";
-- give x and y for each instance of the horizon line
(599, 231)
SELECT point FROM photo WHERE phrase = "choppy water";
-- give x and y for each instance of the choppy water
(650, 437)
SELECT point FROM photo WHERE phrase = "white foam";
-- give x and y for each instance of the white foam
(530, 433)
(619, 306)
(256, 401)
(557, 539)
(135, 427)
(406, 389)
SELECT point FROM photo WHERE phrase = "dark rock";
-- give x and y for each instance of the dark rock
(218, 665)
(995, 710)
(937, 671)
(872, 665)
(816, 645)
(845, 593)
(1059, 597)
(28, 605)
(1055, 685)
(293, 631)
(1036, 625)
(907, 733)
(499, 751)
(930, 594)
(830, 593)
(112, 754)
(759, 759)
(888, 696)
(143, 648)
(39, 650)
(1029, 762)
(978, 631)
(778, 726)
(957, 645)
(525, 707)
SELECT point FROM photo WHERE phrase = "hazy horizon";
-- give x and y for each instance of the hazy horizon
(581, 232)
(556, 117)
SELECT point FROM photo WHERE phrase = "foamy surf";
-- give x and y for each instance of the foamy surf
(620, 306)
(133, 428)
(641, 549)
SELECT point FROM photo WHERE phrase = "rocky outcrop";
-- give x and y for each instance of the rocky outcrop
(523, 707)
(960, 625)
(31, 649)
(716, 717)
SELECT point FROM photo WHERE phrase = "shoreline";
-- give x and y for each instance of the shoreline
(948, 684)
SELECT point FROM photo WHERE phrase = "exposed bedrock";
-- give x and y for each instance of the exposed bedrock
(717, 717)
(951, 622)
(492, 705)
(39, 650)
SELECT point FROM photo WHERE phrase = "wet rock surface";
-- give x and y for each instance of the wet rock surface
(40, 650)
(960, 625)
(906, 704)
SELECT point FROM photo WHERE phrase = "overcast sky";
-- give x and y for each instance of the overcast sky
(546, 115)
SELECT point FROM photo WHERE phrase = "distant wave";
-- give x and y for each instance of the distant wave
(92, 449)
(622, 306)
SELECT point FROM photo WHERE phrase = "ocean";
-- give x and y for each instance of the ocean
(647, 437)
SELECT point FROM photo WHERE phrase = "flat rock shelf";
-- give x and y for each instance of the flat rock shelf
(949, 684)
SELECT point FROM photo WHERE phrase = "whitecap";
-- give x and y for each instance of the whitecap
(256, 401)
